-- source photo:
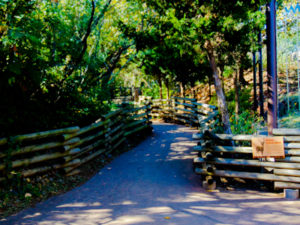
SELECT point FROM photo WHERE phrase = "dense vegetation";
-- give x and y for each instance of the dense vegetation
(62, 62)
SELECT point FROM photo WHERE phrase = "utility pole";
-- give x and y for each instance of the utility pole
(272, 65)
(260, 77)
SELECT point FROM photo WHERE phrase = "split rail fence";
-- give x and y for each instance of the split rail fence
(186, 111)
(222, 155)
(68, 148)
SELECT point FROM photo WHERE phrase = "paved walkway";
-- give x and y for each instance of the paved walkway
(155, 184)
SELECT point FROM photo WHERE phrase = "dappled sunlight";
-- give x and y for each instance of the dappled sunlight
(188, 198)
(179, 150)
(275, 218)
(125, 203)
(158, 210)
(246, 196)
(132, 219)
(220, 208)
(87, 217)
(79, 204)
(32, 216)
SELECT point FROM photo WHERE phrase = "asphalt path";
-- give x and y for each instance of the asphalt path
(154, 184)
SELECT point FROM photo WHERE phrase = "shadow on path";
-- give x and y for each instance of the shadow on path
(154, 184)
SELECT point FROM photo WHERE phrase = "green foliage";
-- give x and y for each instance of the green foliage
(246, 122)
(60, 56)
(244, 94)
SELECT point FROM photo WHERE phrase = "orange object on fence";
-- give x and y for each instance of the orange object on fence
(263, 147)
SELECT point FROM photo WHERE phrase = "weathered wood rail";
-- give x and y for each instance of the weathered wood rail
(67, 149)
(222, 155)
(186, 111)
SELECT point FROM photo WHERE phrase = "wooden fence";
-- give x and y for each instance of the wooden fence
(69, 148)
(222, 155)
(185, 110)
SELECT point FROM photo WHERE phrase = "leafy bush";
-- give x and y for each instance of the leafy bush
(245, 123)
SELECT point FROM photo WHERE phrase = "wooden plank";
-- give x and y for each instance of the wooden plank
(138, 116)
(202, 120)
(118, 135)
(86, 149)
(86, 129)
(291, 138)
(184, 110)
(248, 175)
(36, 159)
(205, 112)
(117, 128)
(89, 138)
(250, 162)
(90, 157)
(185, 115)
(118, 143)
(292, 145)
(248, 150)
(293, 159)
(137, 109)
(286, 132)
(228, 149)
(135, 130)
(45, 134)
(292, 152)
(42, 147)
(112, 114)
(186, 99)
(286, 185)
(248, 137)
(135, 123)
(294, 173)
(205, 105)
(184, 104)
(240, 137)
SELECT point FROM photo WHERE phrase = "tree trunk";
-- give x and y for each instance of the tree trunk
(223, 109)
(181, 90)
(237, 95)
(160, 87)
(209, 87)
(168, 89)
(242, 80)
(222, 76)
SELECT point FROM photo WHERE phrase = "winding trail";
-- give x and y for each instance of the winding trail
(154, 184)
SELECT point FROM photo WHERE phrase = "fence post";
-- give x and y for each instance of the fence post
(107, 137)
(195, 112)
(148, 111)
(174, 109)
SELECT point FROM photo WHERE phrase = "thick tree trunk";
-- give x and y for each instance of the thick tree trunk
(237, 95)
(223, 109)
(209, 87)
(222, 76)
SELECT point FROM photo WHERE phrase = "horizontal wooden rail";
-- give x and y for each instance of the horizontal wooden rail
(247, 175)
(244, 162)
(69, 148)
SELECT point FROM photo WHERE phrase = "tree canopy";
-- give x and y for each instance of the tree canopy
(73, 56)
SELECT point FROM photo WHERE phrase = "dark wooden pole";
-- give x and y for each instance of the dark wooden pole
(272, 65)
(255, 103)
(261, 79)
